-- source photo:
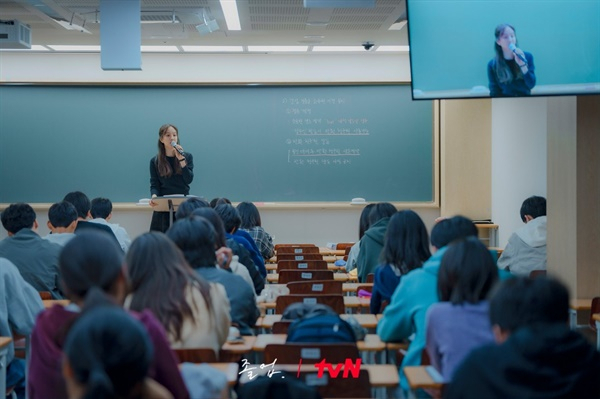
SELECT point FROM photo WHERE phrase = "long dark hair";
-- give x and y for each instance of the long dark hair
(501, 68)
(213, 217)
(467, 272)
(108, 350)
(406, 244)
(162, 165)
(155, 266)
(249, 215)
(363, 223)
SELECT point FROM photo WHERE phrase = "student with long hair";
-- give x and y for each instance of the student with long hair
(91, 260)
(371, 243)
(252, 224)
(193, 312)
(460, 322)
(107, 354)
(511, 72)
(171, 172)
(363, 226)
(406, 247)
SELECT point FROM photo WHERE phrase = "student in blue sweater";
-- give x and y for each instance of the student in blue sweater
(406, 247)
(405, 315)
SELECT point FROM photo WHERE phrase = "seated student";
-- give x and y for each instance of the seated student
(231, 220)
(371, 243)
(460, 322)
(417, 291)
(526, 248)
(91, 260)
(62, 221)
(188, 206)
(36, 258)
(197, 312)
(537, 355)
(363, 226)
(195, 237)
(19, 305)
(251, 223)
(406, 247)
(82, 203)
(101, 211)
(247, 271)
(93, 369)
(219, 201)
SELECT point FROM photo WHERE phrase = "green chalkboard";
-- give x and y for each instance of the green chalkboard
(250, 143)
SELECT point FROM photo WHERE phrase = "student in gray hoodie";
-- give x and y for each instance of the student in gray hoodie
(526, 248)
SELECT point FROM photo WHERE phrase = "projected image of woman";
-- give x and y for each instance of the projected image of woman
(511, 73)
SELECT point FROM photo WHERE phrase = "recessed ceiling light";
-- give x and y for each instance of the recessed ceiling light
(398, 25)
(74, 48)
(277, 48)
(232, 17)
(401, 49)
(317, 23)
(212, 49)
(159, 49)
(314, 37)
(339, 48)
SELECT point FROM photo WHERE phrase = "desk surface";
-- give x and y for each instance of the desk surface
(274, 277)
(346, 287)
(418, 377)
(241, 347)
(380, 375)
(581, 304)
(365, 320)
(372, 342)
(48, 303)
(349, 301)
(596, 316)
(4, 342)
(230, 370)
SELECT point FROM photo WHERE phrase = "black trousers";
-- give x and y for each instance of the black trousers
(160, 221)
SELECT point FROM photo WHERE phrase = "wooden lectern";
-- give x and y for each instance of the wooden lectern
(170, 203)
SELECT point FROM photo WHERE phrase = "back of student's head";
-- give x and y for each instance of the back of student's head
(90, 259)
(521, 301)
(380, 211)
(363, 223)
(218, 201)
(17, 217)
(249, 215)
(533, 206)
(230, 217)
(62, 214)
(155, 264)
(454, 228)
(467, 272)
(213, 217)
(101, 208)
(80, 201)
(195, 237)
(188, 206)
(406, 243)
(108, 353)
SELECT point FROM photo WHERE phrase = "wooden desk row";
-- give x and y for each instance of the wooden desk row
(350, 302)
(345, 277)
(347, 288)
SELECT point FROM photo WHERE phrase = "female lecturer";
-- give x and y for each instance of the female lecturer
(511, 72)
(171, 172)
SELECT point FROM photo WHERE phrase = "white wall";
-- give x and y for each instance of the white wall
(518, 158)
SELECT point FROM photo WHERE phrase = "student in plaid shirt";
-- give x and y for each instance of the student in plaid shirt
(251, 223)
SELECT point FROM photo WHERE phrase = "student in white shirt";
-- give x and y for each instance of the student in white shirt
(101, 211)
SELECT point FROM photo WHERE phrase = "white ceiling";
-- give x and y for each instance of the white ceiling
(263, 22)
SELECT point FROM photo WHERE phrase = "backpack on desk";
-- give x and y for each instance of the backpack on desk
(320, 326)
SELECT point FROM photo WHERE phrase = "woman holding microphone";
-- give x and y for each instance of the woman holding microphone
(171, 172)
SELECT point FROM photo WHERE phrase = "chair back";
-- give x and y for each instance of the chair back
(281, 327)
(277, 246)
(336, 302)
(343, 246)
(45, 295)
(196, 355)
(301, 265)
(310, 353)
(298, 250)
(339, 387)
(370, 278)
(316, 287)
(537, 273)
(299, 257)
(594, 309)
(286, 276)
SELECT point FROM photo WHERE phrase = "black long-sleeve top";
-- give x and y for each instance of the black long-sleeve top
(175, 184)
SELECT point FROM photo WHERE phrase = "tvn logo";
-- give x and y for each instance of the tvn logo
(348, 369)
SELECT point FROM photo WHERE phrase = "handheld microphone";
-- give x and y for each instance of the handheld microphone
(174, 145)
(513, 48)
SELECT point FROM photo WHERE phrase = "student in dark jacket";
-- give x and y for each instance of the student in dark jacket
(371, 243)
(536, 355)
(406, 247)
